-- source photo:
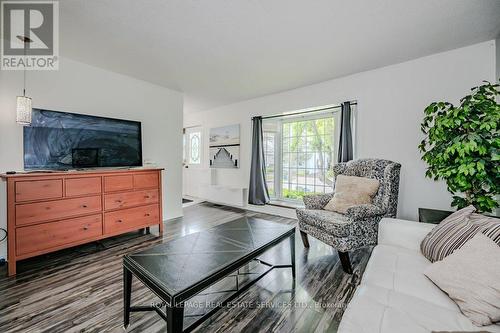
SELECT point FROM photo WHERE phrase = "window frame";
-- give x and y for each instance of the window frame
(278, 146)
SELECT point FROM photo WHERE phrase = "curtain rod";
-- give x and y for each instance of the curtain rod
(310, 111)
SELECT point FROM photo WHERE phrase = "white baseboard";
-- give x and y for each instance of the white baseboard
(273, 210)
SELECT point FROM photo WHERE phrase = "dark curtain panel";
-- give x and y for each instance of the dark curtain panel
(257, 192)
(345, 143)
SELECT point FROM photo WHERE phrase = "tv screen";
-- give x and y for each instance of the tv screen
(62, 140)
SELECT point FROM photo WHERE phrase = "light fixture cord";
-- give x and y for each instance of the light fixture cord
(24, 81)
(24, 71)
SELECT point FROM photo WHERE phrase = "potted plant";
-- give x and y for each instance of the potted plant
(462, 147)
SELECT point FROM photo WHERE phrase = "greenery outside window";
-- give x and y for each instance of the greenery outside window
(299, 154)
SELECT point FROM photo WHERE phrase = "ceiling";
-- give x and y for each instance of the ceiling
(222, 51)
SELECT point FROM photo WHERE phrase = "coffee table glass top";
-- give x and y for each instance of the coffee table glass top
(185, 261)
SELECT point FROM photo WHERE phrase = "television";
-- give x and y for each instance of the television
(62, 141)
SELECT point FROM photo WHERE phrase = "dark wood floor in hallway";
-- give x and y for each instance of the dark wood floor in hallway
(80, 289)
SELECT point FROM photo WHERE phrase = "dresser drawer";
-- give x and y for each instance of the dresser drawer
(118, 183)
(82, 186)
(38, 190)
(131, 218)
(146, 180)
(130, 199)
(55, 210)
(54, 234)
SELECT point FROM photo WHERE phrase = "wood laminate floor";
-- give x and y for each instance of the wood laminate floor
(80, 289)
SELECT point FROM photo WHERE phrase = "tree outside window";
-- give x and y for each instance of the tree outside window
(299, 154)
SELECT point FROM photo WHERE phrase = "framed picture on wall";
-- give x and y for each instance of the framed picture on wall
(224, 147)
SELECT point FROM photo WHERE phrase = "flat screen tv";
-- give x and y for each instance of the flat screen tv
(61, 140)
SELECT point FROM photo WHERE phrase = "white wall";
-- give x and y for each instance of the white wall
(80, 88)
(391, 101)
(497, 73)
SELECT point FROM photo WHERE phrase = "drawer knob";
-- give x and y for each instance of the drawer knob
(84, 206)
(119, 221)
(85, 227)
(119, 201)
(147, 214)
(147, 197)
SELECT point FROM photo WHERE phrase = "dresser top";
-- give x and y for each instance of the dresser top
(39, 173)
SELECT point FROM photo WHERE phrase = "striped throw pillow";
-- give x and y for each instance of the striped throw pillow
(490, 226)
(454, 231)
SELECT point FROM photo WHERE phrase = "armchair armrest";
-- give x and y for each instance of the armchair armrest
(361, 212)
(317, 201)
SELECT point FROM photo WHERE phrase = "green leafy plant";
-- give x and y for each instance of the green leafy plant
(462, 147)
(293, 194)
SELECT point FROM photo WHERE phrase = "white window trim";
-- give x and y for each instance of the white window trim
(278, 154)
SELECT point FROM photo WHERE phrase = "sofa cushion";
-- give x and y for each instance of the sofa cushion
(376, 309)
(471, 277)
(352, 191)
(402, 233)
(401, 270)
(334, 223)
(395, 295)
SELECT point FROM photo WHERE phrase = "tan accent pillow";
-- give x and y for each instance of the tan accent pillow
(352, 191)
(471, 277)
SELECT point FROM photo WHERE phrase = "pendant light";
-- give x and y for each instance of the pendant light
(23, 109)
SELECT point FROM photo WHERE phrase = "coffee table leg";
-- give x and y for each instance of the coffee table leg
(127, 290)
(292, 253)
(175, 318)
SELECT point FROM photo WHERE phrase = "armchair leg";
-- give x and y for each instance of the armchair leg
(305, 241)
(345, 261)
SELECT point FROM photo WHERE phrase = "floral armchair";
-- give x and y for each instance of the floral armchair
(358, 227)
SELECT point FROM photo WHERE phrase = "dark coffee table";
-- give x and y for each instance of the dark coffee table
(182, 268)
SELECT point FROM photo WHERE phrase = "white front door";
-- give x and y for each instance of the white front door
(193, 157)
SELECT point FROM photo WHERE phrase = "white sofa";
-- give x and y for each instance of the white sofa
(395, 295)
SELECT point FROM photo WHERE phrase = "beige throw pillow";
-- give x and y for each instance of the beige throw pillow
(352, 191)
(471, 277)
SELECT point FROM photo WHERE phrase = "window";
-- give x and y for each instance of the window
(269, 151)
(193, 146)
(299, 154)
